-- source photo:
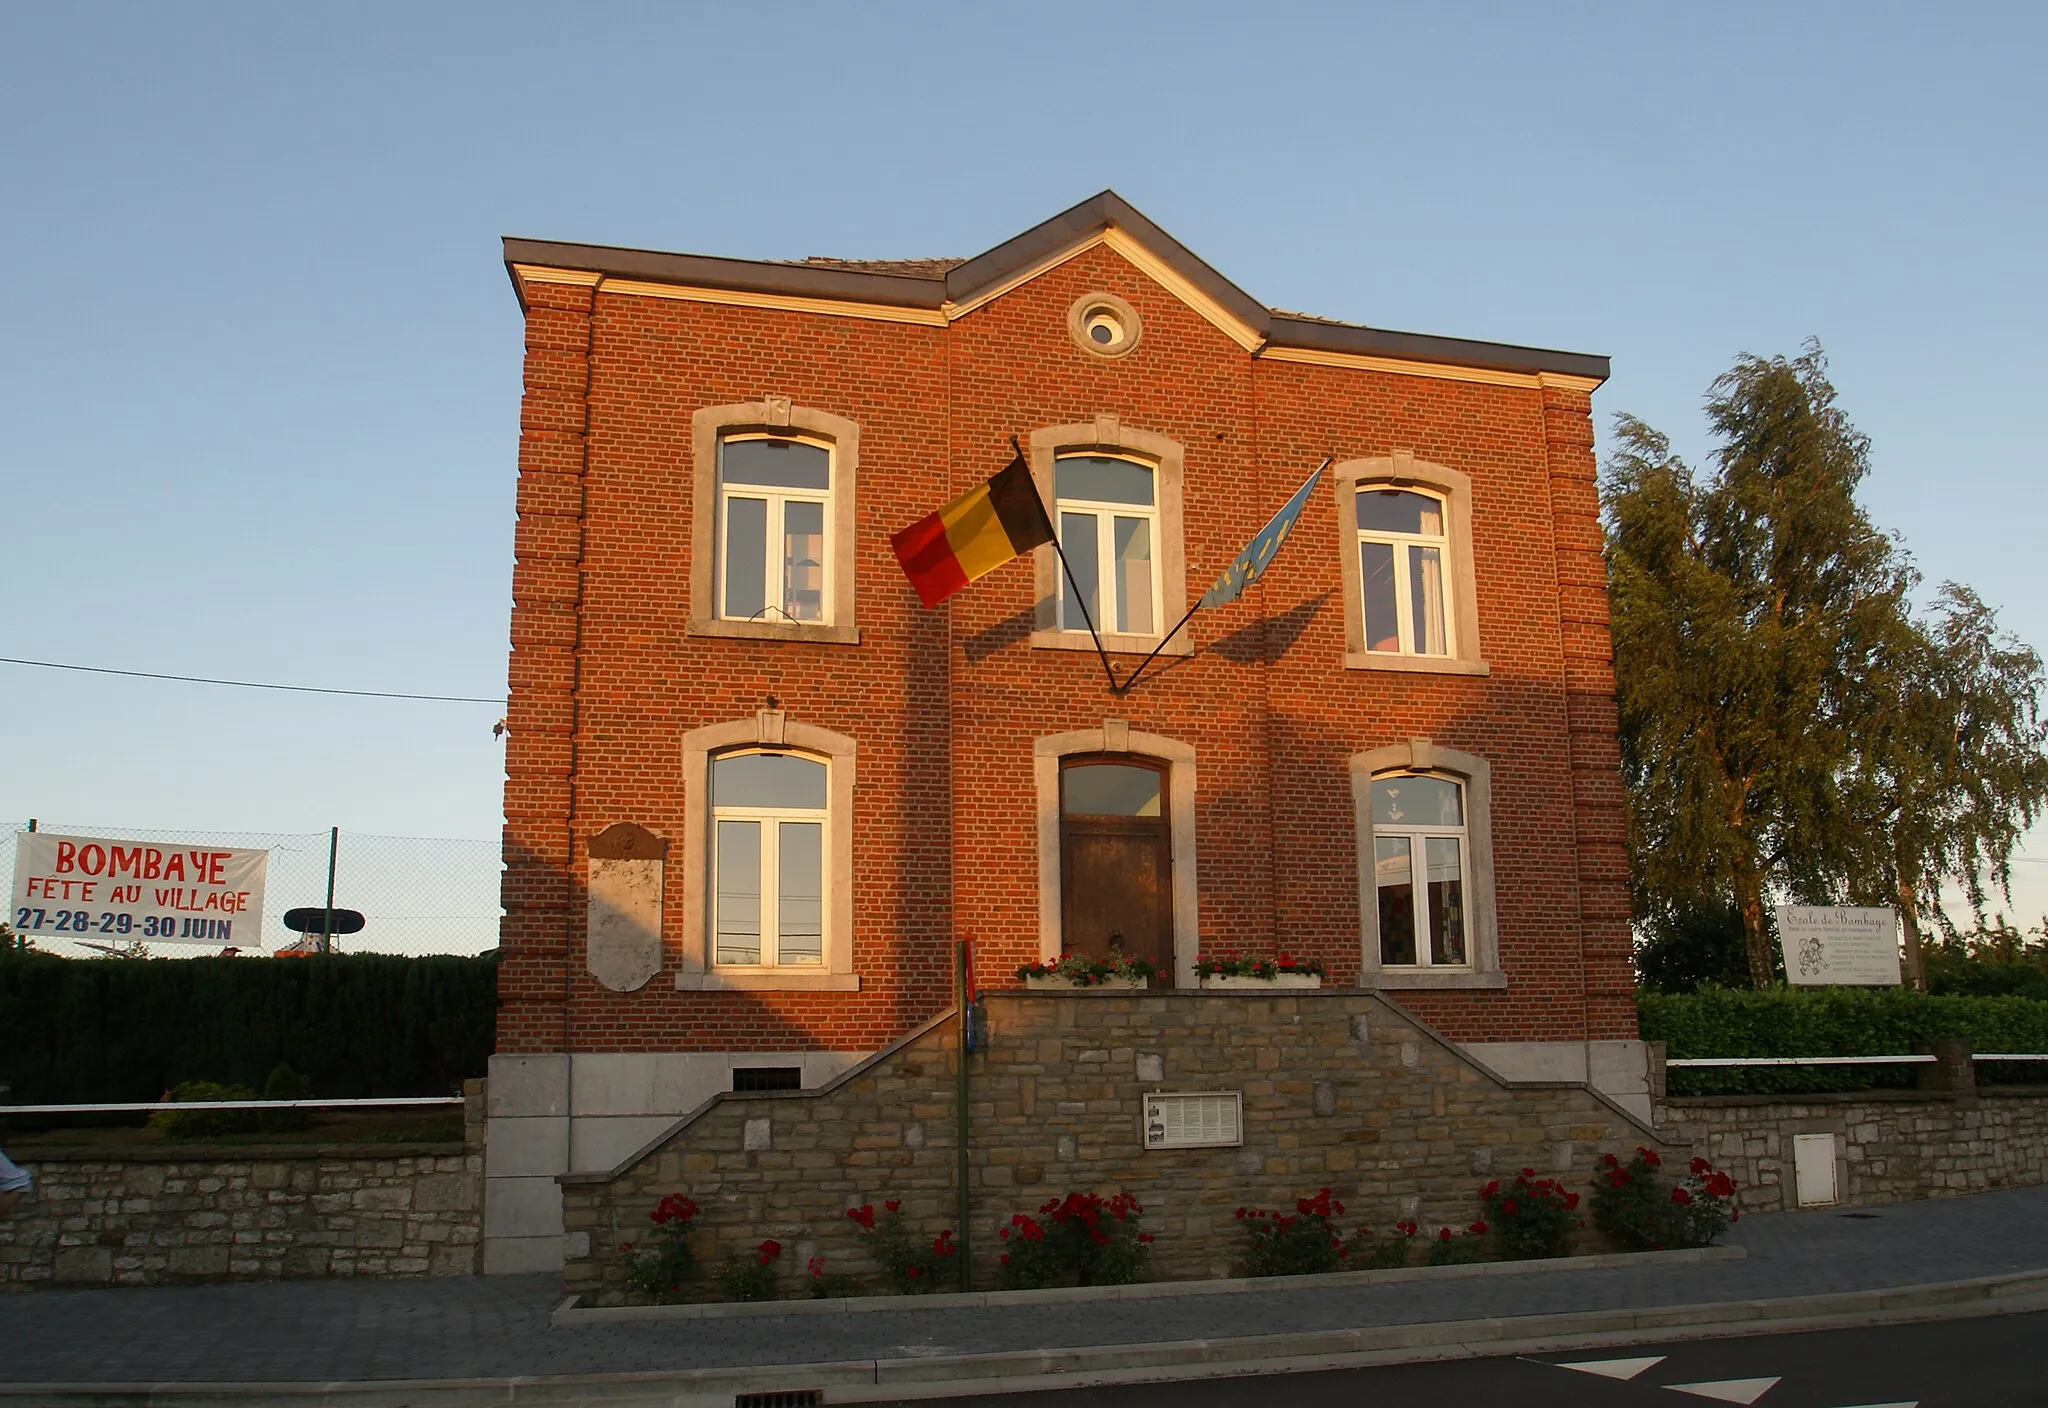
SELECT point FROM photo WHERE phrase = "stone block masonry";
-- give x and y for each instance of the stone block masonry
(1890, 1145)
(170, 1214)
(1340, 1088)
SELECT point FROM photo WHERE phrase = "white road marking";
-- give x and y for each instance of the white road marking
(1614, 1368)
(1743, 1391)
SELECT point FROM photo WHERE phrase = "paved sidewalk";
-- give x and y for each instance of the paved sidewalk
(499, 1326)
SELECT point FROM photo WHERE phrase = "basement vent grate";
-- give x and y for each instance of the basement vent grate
(1202, 1120)
(768, 1078)
(780, 1398)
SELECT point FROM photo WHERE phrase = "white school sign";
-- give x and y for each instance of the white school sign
(100, 890)
(1830, 945)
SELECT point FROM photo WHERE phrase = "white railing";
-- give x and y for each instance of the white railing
(228, 1105)
(1695, 1062)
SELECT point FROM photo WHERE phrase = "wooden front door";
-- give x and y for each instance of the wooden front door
(1116, 861)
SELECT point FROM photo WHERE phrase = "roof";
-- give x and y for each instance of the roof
(933, 286)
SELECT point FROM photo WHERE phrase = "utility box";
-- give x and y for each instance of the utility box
(1813, 1170)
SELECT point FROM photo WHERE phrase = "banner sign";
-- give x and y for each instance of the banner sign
(102, 890)
(1833, 946)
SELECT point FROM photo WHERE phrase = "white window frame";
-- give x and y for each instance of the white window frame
(1109, 581)
(1482, 968)
(774, 568)
(1401, 470)
(770, 820)
(772, 417)
(769, 730)
(1418, 868)
(1403, 545)
(1108, 435)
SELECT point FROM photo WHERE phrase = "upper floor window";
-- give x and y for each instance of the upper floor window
(774, 518)
(1420, 867)
(769, 823)
(1108, 520)
(1403, 554)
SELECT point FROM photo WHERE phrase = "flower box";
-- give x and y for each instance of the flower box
(1217, 982)
(1053, 982)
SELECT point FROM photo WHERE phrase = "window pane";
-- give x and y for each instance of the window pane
(1376, 576)
(1417, 801)
(1426, 599)
(746, 563)
(1397, 899)
(803, 560)
(781, 464)
(1398, 511)
(767, 780)
(1446, 900)
(800, 892)
(1111, 789)
(739, 892)
(1077, 541)
(1134, 575)
(1102, 479)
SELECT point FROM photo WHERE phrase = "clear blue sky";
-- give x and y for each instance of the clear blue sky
(259, 362)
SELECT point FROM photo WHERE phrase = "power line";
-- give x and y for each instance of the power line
(251, 684)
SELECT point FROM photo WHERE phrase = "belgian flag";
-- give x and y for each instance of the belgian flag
(973, 535)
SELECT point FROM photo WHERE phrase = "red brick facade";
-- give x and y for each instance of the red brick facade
(945, 704)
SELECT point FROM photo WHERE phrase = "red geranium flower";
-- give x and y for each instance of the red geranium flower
(1477, 1229)
(769, 1250)
(894, 1205)
(864, 1215)
(1680, 1196)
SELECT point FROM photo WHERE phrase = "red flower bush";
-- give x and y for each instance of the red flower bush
(910, 1267)
(658, 1267)
(1086, 1237)
(1530, 1216)
(1632, 1205)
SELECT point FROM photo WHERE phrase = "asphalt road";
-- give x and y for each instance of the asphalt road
(1997, 1361)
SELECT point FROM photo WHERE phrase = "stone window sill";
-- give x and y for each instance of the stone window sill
(774, 630)
(1413, 664)
(766, 980)
(1115, 642)
(1421, 979)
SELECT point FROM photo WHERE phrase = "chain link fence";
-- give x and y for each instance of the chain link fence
(417, 894)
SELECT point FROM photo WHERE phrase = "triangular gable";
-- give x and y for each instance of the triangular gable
(1108, 219)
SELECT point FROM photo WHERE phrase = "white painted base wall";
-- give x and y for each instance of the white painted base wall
(553, 1114)
(1620, 1070)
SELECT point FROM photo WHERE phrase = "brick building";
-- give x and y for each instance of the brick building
(755, 789)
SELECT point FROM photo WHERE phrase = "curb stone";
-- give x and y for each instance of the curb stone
(571, 1312)
(882, 1380)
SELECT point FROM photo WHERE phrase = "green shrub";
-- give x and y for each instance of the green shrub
(1450, 1248)
(1633, 1205)
(88, 1030)
(1833, 1022)
(206, 1124)
(284, 1083)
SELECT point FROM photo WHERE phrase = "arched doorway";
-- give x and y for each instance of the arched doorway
(1116, 859)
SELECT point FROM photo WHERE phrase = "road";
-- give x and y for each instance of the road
(1998, 1361)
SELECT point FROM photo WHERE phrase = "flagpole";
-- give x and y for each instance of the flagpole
(1163, 643)
(1086, 619)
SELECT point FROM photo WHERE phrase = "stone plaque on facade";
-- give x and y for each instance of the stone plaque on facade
(624, 948)
(1830, 945)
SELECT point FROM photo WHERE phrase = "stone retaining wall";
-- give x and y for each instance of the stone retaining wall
(180, 1213)
(1890, 1145)
(1340, 1088)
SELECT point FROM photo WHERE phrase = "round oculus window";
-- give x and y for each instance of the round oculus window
(1104, 325)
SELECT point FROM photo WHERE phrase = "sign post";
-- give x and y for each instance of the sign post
(1838, 946)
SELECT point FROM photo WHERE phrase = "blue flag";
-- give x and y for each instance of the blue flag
(1246, 567)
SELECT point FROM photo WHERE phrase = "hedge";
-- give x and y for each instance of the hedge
(1833, 1022)
(91, 1030)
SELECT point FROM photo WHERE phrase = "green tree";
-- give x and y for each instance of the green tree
(1746, 603)
(1950, 766)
